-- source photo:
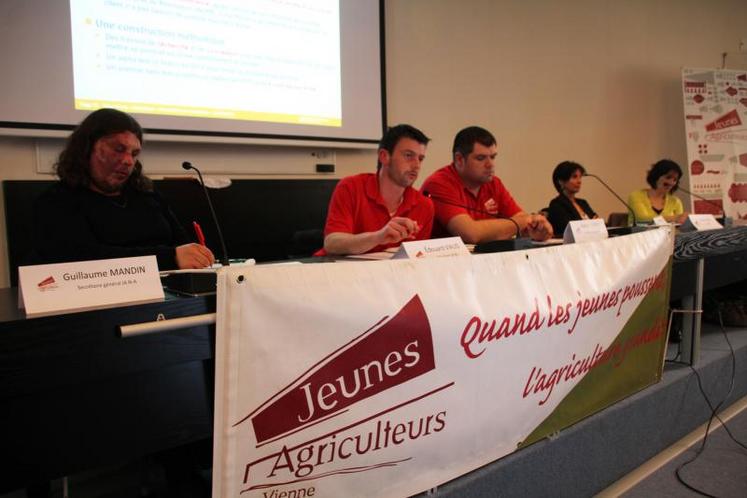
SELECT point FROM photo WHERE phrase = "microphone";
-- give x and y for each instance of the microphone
(476, 210)
(707, 201)
(224, 260)
(615, 194)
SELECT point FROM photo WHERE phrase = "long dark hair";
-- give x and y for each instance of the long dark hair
(73, 165)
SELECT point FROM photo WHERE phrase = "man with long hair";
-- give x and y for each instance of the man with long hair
(104, 206)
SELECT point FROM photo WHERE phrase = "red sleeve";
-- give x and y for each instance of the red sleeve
(443, 192)
(341, 212)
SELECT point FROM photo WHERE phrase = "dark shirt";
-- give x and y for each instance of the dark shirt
(79, 224)
(561, 211)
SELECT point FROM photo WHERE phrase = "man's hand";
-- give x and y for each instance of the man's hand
(538, 228)
(191, 256)
(396, 230)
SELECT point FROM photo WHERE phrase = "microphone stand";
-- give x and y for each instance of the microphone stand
(493, 245)
(224, 260)
(630, 209)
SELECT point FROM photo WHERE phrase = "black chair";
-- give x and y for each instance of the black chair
(617, 220)
(304, 243)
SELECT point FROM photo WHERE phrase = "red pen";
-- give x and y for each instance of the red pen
(198, 232)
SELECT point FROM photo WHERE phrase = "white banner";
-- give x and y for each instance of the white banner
(715, 102)
(387, 378)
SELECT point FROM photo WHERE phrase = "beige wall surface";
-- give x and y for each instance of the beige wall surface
(595, 81)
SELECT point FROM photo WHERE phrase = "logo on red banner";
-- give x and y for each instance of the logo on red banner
(738, 192)
(390, 353)
(742, 77)
(731, 91)
(728, 120)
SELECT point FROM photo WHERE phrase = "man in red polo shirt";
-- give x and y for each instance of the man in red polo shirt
(371, 212)
(472, 202)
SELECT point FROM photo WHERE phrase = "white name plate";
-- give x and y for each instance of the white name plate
(447, 246)
(700, 222)
(659, 221)
(585, 231)
(86, 285)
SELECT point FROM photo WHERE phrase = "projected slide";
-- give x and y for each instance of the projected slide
(260, 60)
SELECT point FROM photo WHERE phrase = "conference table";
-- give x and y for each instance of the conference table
(77, 395)
(704, 261)
(77, 392)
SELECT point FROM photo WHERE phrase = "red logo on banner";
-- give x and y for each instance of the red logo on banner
(728, 120)
(743, 102)
(743, 159)
(389, 354)
(697, 168)
(738, 192)
(714, 206)
(47, 281)
(731, 91)
(693, 116)
(742, 77)
(694, 86)
(698, 99)
(47, 284)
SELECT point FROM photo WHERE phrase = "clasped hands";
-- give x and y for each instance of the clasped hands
(538, 228)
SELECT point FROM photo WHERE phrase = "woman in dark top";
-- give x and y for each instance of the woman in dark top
(104, 206)
(566, 178)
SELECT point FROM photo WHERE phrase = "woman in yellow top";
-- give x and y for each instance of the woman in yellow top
(648, 203)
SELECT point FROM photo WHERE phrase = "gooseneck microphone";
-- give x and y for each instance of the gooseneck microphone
(630, 209)
(224, 259)
(707, 201)
(476, 210)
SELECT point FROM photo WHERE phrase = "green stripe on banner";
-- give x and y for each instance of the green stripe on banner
(633, 361)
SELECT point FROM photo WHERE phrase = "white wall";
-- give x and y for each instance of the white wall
(593, 81)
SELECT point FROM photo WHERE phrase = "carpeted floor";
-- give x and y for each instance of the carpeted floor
(720, 470)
